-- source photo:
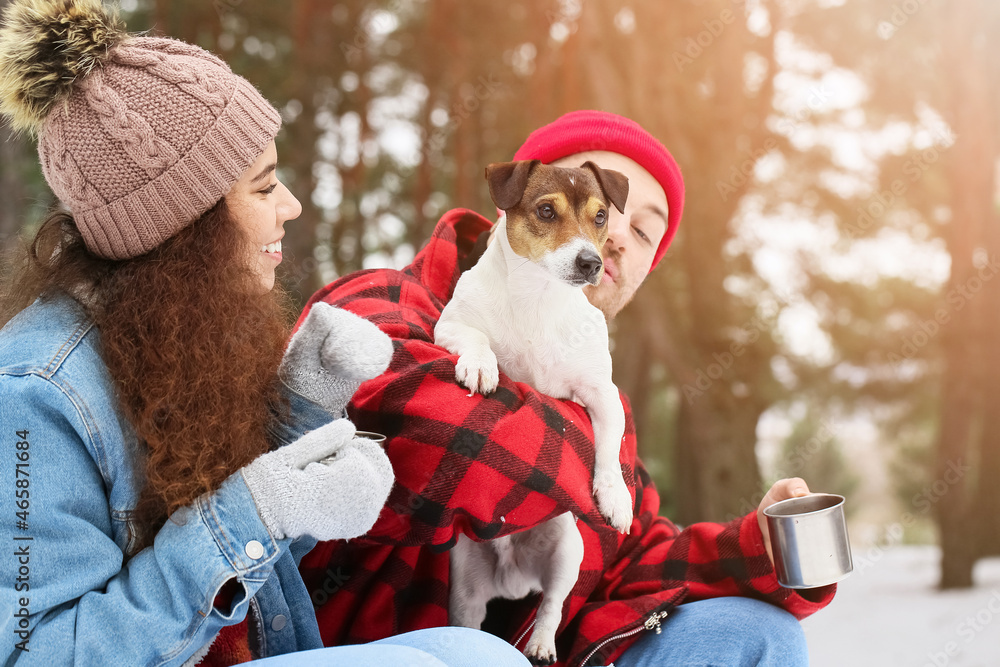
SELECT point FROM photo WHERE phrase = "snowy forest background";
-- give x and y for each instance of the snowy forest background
(828, 309)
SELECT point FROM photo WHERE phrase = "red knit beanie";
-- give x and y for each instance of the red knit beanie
(580, 131)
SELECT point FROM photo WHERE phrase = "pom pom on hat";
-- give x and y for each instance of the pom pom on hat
(46, 47)
(581, 131)
(138, 136)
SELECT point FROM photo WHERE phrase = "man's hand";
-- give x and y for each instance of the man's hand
(783, 489)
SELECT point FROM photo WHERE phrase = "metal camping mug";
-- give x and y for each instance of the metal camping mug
(809, 540)
(377, 438)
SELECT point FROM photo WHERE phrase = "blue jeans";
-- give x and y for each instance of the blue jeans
(434, 647)
(723, 632)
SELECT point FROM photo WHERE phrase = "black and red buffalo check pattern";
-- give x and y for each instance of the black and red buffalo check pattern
(491, 465)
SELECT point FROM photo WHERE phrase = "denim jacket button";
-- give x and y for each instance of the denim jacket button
(254, 549)
(278, 622)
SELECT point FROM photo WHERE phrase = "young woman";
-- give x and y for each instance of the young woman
(165, 480)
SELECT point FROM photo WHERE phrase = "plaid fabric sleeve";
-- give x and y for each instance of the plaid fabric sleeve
(482, 465)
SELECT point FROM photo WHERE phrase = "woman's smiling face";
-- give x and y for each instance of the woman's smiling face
(262, 205)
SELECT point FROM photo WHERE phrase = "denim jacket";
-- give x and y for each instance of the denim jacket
(69, 595)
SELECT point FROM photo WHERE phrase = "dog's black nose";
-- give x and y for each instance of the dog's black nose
(588, 263)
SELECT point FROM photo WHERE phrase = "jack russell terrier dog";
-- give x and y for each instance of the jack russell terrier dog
(522, 309)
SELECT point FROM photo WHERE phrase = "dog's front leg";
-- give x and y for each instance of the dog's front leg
(471, 583)
(608, 418)
(560, 541)
(477, 364)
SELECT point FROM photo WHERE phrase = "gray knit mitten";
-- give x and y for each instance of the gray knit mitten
(327, 484)
(331, 354)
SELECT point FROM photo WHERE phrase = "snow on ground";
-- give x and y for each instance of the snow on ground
(888, 613)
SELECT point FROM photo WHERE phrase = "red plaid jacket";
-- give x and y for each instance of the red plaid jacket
(492, 465)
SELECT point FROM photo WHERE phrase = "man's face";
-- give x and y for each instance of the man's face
(633, 236)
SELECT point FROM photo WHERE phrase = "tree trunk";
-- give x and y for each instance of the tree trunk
(970, 170)
(986, 517)
(13, 156)
(297, 152)
(716, 472)
(632, 357)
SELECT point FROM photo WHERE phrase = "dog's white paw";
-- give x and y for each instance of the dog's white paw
(478, 371)
(613, 500)
(540, 652)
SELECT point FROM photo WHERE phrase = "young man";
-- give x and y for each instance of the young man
(492, 465)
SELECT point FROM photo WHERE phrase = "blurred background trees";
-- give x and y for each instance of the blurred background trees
(827, 309)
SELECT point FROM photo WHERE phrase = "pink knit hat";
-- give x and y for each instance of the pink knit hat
(580, 131)
(138, 136)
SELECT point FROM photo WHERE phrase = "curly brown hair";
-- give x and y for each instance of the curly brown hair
(191, 343)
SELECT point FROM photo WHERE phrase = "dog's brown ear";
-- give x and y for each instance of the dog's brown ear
(507, 181)
(614, 184)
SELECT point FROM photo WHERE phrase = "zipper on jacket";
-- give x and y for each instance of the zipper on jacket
(255, 629)
(525, 633)
(651, 623)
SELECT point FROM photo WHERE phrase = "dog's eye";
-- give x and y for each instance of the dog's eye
(546, 212)
(602, 217)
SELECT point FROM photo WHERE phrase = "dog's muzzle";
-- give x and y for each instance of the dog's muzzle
(588, 266)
